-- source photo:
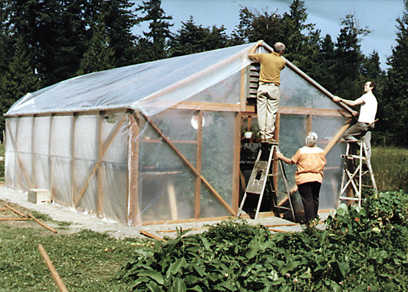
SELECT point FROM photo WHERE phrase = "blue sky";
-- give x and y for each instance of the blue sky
(379, 16)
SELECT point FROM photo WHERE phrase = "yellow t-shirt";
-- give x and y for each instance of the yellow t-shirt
(271, 65)
(310, 162)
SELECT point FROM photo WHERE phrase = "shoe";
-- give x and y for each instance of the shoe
(269, 141)
(350, 139)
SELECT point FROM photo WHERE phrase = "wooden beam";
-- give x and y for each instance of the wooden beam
(188, 163)
(236, 162)
(15, 210)
(106, 145)
(197, 191)
(54, 274)
(14, 219)
(191, 220)
(148, 234)
(208, 106)
(100, 170)
(275, 165)
(292, 110)
(50, 168)
(33, 141)
(243, 89)
(145, 140)
(135, 217)
(308, 124)
(42, 224)
(336, 137)
(74, 118)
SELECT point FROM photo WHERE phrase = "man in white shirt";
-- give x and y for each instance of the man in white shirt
(366, 117)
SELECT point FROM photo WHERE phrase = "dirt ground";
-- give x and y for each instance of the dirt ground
(79, 221)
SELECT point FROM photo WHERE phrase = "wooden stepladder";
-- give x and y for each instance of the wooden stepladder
(260, 175)
(357, 166)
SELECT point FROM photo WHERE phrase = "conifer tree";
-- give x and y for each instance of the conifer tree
(192, 38)
(99, 55)
(326, 63)
(18, 80)
(394, 104)
(349, 58)
(154, 44)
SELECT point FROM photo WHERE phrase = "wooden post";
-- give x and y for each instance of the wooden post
(275, 166)
(236, 164)
(50, 168)
(72, 164)
(197, 206)
(134, 216)
(100, 170)
(52, 269)
(243, 89)
(33, 141)
(308, 124)
(334, 140)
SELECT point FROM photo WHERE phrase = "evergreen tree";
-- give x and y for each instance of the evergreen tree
(349, 59)
(326, 63)
(154, 44)
(99, 55)
(301, 39)
(18, 80)
(119, 19)
(393, 108)
(192, 38)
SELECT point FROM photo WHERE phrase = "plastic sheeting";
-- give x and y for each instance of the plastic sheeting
(149, 87)
(60, 152)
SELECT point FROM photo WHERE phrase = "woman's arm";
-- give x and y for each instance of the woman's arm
(283, 158)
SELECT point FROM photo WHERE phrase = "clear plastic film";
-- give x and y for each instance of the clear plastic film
(149, 87)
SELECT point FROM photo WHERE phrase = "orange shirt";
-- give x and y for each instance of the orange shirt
(271, 65)
(310, 162)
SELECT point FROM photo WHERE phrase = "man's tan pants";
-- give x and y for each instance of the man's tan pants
(268, 98)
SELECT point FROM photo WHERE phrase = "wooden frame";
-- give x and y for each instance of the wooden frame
(134, 216)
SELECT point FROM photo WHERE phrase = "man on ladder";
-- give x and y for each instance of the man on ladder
(358, 134)
(268, 97)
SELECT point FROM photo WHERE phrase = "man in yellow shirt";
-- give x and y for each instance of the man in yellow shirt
(268, 95)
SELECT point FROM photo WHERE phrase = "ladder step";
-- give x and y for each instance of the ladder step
(349, 198)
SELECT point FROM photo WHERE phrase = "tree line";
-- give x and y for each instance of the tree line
(44, 42)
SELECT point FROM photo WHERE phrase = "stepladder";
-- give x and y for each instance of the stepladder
(357, 173)
(261, 175)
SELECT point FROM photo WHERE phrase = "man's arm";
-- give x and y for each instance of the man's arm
(252, 53)
(348, 102)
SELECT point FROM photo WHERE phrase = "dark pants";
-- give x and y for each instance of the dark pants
(310, 198)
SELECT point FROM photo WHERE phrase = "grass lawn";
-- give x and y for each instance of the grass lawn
(85, 261)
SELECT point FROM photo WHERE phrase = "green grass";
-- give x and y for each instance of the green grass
(390, 166)
(86, 261)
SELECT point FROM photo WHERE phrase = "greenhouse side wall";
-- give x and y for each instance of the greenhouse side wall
(60, 153)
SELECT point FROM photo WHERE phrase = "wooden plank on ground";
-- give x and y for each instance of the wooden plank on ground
(60, 284)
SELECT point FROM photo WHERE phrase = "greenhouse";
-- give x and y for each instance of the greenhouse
(162, 141)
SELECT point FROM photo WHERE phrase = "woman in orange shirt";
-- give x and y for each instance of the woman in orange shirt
(310, 161)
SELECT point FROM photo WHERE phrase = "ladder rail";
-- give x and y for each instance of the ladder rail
(265, 177)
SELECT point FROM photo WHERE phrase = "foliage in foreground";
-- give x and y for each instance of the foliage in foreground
(361, 250)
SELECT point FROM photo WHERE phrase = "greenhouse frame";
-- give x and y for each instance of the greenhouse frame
(162, 141)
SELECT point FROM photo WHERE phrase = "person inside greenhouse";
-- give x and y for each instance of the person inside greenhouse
(310, 161)
(268, 94)
(366, 117)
